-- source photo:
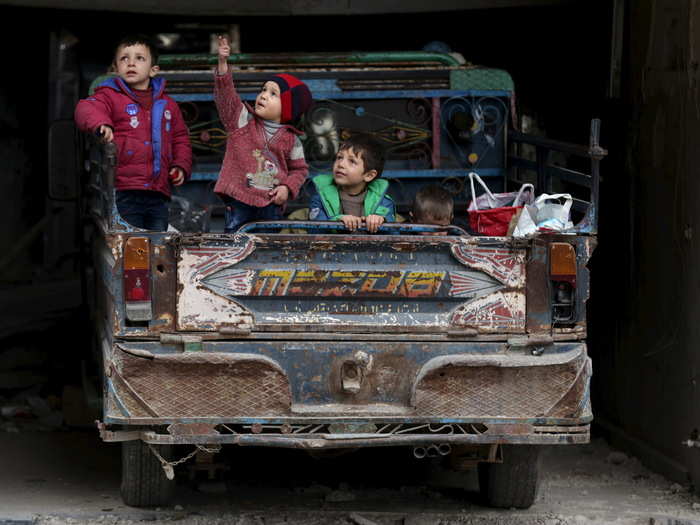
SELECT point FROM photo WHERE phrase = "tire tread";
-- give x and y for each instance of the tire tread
(513, 483)
(144, 483)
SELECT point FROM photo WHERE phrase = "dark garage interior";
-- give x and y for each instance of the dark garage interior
(632, 64)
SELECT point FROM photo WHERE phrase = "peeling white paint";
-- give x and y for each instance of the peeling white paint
(198, 306)
(117, 245)
(500, 311)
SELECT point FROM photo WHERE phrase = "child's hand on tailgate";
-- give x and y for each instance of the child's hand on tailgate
(351, 222)
(374, 222)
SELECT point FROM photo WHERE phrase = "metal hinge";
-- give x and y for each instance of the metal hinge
(234, 330)
(191, 343)
(537, 341)
(462, 332)
(531, 340)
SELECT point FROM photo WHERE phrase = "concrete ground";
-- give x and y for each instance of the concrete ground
(72, 477)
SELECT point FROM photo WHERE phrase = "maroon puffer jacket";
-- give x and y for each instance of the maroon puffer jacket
(149, 142)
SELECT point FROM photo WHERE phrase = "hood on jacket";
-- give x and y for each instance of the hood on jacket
(118, 85)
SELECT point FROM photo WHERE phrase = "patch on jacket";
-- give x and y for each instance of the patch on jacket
(267, 169)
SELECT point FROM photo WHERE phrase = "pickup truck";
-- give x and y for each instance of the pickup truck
(457, 345)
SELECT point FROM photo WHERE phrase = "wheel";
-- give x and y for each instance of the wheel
(514, 482)
(144, 483)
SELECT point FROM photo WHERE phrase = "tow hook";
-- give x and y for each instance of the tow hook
(353, 370)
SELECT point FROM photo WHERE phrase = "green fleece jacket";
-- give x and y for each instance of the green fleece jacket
(325, 204)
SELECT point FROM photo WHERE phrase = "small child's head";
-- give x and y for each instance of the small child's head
(360, 160)
(433, 205)
(283, 98)
(136, 61)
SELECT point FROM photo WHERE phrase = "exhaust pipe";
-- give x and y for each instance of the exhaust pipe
(444, 449)
(432, 451)
(419, 452)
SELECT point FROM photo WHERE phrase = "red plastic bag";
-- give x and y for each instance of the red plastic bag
(491, 213)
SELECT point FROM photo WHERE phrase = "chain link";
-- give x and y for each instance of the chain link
(171, 464)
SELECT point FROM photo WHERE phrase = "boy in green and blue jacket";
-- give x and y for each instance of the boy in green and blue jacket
(354, 193)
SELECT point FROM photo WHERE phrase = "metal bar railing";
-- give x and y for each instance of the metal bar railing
(545, 172)
(390, 227)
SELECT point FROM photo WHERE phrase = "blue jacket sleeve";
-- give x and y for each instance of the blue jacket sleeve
(391, 214)
(316, 209)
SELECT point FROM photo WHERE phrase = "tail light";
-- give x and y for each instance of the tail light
(562, 273)
(137, 279)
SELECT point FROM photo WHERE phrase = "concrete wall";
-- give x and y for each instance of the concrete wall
(647, 382)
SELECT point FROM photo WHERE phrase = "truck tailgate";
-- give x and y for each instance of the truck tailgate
(350, 283)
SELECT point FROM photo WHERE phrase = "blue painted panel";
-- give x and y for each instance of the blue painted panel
(323, 85)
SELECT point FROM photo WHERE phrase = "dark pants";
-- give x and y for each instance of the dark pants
(238, 213)
(143, 209)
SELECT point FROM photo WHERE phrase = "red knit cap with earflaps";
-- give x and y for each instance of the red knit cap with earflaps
(294, 94)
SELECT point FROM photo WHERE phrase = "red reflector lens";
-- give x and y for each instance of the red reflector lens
(137, 263)
(137, 285)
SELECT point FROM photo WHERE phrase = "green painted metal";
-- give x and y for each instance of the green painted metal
(461, 79)
(309, 59)
(479, 78)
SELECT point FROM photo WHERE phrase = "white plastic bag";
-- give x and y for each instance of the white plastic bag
(526, 222)
(546, 213)
(551, 214)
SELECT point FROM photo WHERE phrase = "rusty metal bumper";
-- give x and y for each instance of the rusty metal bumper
(415, 383)
(295, 394)
(493, 434)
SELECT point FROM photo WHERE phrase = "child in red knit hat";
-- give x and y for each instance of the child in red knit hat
(264, 163)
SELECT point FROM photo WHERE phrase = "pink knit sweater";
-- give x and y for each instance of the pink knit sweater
(253, 163)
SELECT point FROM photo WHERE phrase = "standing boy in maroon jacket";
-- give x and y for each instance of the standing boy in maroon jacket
(153, 145)
(264, 163)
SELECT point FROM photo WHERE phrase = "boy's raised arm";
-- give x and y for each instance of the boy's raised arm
(224, 53)
(228, 103)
